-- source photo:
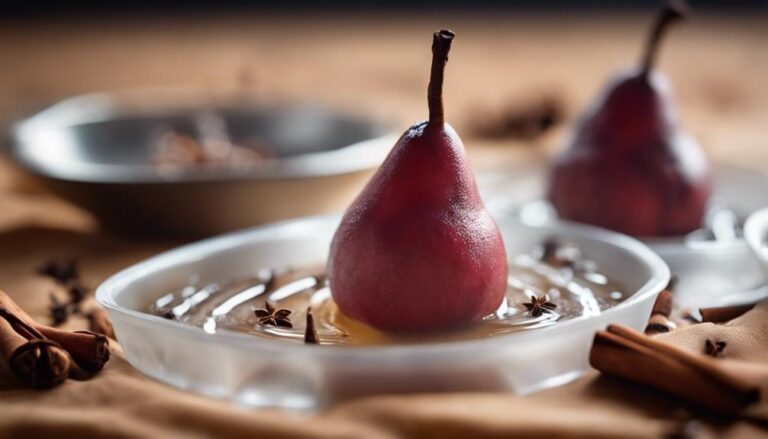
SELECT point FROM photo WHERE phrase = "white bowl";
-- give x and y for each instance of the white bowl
(258, 372)
(756, 234)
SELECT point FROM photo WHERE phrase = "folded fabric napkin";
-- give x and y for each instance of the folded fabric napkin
(720, 367)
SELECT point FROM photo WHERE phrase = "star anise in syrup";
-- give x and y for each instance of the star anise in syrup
(274, 317)
(538, 305)
(714, 348)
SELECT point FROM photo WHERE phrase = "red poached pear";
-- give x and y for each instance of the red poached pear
(417, 252)
(629, 167)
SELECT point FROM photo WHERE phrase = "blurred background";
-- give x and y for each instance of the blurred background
(533, 66)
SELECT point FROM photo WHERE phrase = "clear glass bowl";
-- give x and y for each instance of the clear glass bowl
(756, 234)
(259, 372)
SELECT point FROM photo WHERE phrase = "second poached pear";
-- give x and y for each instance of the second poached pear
(629, 166)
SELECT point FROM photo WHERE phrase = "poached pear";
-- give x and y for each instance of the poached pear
(629, 166)
(417, 252)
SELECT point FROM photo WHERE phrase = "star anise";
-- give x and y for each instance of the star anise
(274, 317)
(538, 305)
(714, 348)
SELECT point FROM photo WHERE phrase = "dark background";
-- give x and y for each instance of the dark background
(95, 7)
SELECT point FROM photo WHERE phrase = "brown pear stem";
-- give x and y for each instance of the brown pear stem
(441, 45)
(672, 11)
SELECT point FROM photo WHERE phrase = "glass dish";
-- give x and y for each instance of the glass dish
(709, 272)
(260, 372)
(756, 234)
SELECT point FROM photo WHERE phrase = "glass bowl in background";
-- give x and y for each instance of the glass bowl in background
(710, 270)
(756, 234)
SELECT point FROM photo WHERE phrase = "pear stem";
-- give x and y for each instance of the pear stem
(441, 45)
(672, 11)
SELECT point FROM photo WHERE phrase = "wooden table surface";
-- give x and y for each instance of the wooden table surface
(378, 64)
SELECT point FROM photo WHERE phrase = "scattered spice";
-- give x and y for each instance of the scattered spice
(59, 311)
(63, 272)
(557, 254)
(66, 274)
(527, 121)
(274, 317)
(310, 334)
(538, 305)
(77, 293)
(714, 348)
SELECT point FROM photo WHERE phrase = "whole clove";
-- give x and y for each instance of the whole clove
(58, 310)
(63, 272)
(77, 293)
(67, 275)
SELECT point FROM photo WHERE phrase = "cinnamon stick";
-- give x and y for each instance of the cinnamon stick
(89, 350)
(98, 322)
(724, 313)
(623, 352)
(663, 304)
(35, 361)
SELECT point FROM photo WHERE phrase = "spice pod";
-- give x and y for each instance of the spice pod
(257, 371)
